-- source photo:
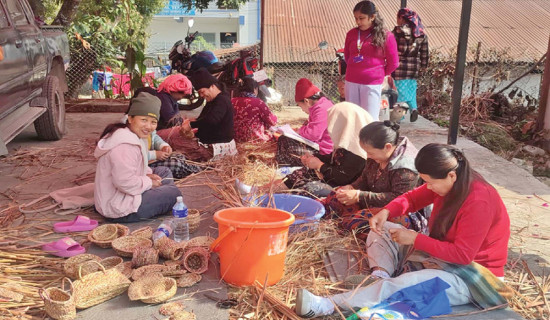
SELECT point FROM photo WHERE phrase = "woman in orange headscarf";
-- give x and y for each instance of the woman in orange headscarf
(172, 89)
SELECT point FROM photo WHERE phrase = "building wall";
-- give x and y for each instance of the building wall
(171, 25)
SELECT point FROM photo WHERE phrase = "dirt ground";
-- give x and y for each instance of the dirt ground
(35, 168)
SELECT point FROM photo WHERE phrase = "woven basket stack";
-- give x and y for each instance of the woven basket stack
(125, 246)
(104, 235)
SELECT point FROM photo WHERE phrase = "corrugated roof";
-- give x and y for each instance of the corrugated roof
(294, 28)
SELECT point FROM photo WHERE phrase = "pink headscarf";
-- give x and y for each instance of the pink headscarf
(176, 83)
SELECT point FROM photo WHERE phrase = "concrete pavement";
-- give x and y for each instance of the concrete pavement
(517, 187)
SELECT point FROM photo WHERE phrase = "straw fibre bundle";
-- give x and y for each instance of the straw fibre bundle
(304, 268)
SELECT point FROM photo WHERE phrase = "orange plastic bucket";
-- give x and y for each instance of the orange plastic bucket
(252, 244)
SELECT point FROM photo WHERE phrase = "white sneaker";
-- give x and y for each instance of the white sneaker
(309, 305)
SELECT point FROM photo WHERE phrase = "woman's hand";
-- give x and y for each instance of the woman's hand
(347, 197)
(376, 222)
(305, 157)
(157, 181)
(185, 127)
(403, 236)
(346, 187)
(161, 155)
(313, 163)
(167, 149)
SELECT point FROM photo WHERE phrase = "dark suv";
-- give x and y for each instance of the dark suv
(33, 60)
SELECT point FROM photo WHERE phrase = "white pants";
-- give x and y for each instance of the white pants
(367, 96)
(383, 252)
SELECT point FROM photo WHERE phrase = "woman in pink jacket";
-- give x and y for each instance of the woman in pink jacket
(316, 105)
(126, 189)
(371, 54)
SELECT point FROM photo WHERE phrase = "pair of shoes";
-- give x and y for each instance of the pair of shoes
(307, 306)
(414, 115)
(363, 280)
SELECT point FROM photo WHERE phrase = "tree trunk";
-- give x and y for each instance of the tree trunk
(67, 12)
(38, 8)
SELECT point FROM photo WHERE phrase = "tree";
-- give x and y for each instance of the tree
(69, 8)
(203, 4)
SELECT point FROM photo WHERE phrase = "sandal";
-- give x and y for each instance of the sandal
(65, 247)
(80, 223)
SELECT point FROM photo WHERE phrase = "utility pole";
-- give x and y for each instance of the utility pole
(543, 120)
(459, 69)
(262, 32)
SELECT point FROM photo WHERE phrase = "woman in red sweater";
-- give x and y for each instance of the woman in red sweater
(467, 245)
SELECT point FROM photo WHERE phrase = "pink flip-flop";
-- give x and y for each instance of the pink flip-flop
(65, 247)
(80, 223)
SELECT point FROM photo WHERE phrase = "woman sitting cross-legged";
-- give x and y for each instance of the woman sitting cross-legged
(316, 105)
(126, 189)
(389, 172)
(321, 173)
(214, 126)
(466, 248)
(252, 116)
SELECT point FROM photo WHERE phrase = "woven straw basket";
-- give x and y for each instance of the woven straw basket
(144, 256)
(145, 232)
(193, 219)
(98, 287)
(126, 269)
(121, 232)
(58, 303)
(170, 249)
(71, 265)
(201, 241)
(107, 263)
(152, 289)
(124, 246)
(195, 259)
(188, 280)
(167, 271)
(105, 232)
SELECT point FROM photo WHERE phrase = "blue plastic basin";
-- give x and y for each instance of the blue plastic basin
(307, 211)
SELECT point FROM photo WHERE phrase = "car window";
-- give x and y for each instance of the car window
(3, 18)
(16, 13)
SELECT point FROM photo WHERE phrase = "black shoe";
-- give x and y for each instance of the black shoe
(414, 115)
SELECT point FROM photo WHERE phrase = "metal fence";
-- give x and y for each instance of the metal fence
(490, 75)
(285, 75)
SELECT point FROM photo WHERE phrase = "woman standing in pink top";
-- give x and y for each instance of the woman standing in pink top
(371, 54)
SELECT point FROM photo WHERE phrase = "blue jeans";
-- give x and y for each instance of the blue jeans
(155, 201)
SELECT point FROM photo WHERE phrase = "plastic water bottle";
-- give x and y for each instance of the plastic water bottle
(164, 230)
(181, 226)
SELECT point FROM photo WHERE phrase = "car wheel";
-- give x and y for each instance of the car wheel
(51, 124)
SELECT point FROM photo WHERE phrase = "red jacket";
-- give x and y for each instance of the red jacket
(479, 233)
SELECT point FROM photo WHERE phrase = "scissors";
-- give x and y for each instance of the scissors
(222, 303)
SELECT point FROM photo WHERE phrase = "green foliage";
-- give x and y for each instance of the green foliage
(200, 44)
(203, 4)
(52, 7)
